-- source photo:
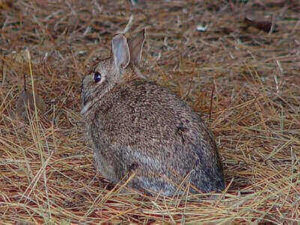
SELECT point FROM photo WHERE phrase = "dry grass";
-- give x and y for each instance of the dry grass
(252, 77)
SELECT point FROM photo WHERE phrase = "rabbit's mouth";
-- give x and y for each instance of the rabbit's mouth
(86, 107)
(87, 102)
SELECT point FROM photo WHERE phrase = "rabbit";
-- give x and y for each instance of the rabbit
(138, 127)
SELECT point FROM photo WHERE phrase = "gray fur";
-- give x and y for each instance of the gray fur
(138, 126)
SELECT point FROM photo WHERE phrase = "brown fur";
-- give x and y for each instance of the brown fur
(137, 125)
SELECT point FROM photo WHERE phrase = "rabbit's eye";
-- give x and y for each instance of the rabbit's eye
(97, 77)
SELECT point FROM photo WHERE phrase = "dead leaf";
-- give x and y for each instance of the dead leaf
(263, 25)
(25, 105)
(6, 4)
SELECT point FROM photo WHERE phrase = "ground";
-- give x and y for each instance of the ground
(241, 74)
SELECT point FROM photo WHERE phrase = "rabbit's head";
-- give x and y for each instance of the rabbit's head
(126, 54)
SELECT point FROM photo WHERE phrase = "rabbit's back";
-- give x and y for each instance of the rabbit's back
(140, 125)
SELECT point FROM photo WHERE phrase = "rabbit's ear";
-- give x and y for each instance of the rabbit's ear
(136, 46)
(120, 51)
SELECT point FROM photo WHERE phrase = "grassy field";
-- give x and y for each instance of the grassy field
(244, 78)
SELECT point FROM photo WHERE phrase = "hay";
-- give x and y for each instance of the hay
(247, 79)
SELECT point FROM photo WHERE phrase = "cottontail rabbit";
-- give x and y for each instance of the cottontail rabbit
(138, 126)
